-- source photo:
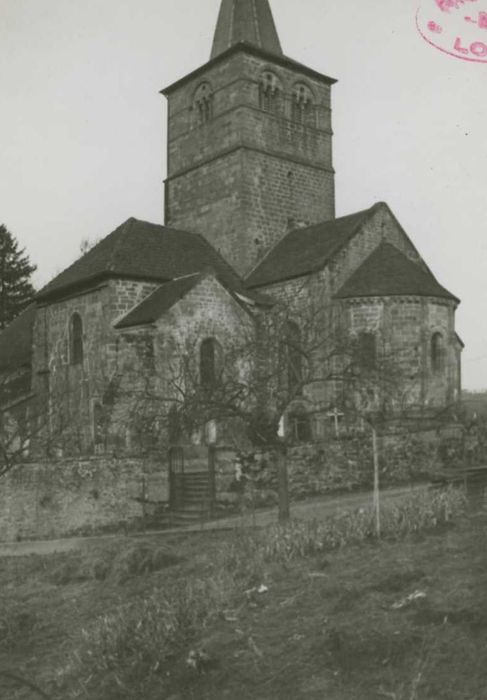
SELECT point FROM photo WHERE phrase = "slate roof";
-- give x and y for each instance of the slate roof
(388, 272)
(161, 300)
(16, 341)
(164, 297)
(241, 20)
(141, 250)
(306, 250)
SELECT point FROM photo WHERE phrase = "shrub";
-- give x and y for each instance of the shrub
(421, 510)
(125, 651)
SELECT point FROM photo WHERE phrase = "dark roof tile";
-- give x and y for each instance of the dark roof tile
(139, 249)
(164, 297)
(388, 272)
(306, 250)
(161, 300)
(240, 20)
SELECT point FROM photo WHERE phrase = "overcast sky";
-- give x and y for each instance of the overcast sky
(83, 130)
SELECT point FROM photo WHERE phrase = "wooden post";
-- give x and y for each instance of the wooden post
(283, 488)
(375, 451)
(211, 480)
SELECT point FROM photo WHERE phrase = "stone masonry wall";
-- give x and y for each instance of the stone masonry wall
(406, 327)
(208, 310)
(149, 385)
(68, 390)
(246, 203)
(336, 466)
(246, 176)
(64, 497)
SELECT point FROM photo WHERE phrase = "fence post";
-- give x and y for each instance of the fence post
(211, 479)
(375, 451)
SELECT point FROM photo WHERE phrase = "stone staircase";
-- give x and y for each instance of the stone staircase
(195, 506)
(192, 503)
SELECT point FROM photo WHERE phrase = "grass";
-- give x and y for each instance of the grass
(308, 611)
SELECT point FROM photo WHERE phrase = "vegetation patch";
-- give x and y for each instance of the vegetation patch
(137, 645)
(309, 610)
(116, 564)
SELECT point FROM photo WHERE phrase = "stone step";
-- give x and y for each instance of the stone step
(195, 452)
(195, 494)
(197, 483)
(199, 501)
(199, 488)
(195, 467)
(181, 518)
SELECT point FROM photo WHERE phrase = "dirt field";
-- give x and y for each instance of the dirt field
(399, 620)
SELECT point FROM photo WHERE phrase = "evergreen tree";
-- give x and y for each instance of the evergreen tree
(16, 290)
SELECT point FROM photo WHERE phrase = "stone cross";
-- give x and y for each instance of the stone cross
(336, 414)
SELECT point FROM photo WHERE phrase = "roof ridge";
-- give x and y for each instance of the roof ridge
(166, 295)
(126, 228)
(361, 214)
(251, 21)
(217, 253)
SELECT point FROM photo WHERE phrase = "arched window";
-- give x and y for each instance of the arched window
(270, 92)
(303, 108)
(437, 352)
(209, 361)
(203, 103)
(294, 359)
(367, 350)
(76, 333)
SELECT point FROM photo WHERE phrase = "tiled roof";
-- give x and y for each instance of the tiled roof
(388, 272)
(16, 341)
(139, 249)
(161, 300)
(164, 297)
(306, 250)
(245, 20)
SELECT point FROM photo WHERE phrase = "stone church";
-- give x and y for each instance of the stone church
(249, 222)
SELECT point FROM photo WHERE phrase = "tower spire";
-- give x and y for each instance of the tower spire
(245, 20)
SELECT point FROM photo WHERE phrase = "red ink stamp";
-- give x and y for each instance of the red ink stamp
(455, 27)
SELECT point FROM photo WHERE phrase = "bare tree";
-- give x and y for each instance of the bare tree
(37, 424)
(259, 385)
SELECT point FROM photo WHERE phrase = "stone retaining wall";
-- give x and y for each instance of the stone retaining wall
(55, 499)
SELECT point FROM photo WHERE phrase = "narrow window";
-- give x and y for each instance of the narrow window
(209, 351)
(367, 350)
(437, 353)
(269, 93)
(76, 339)
(203, 103)
(303, 108)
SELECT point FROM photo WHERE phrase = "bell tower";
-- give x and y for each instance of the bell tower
(249, 140)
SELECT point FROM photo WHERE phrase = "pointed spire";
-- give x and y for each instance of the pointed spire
(245, 20)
